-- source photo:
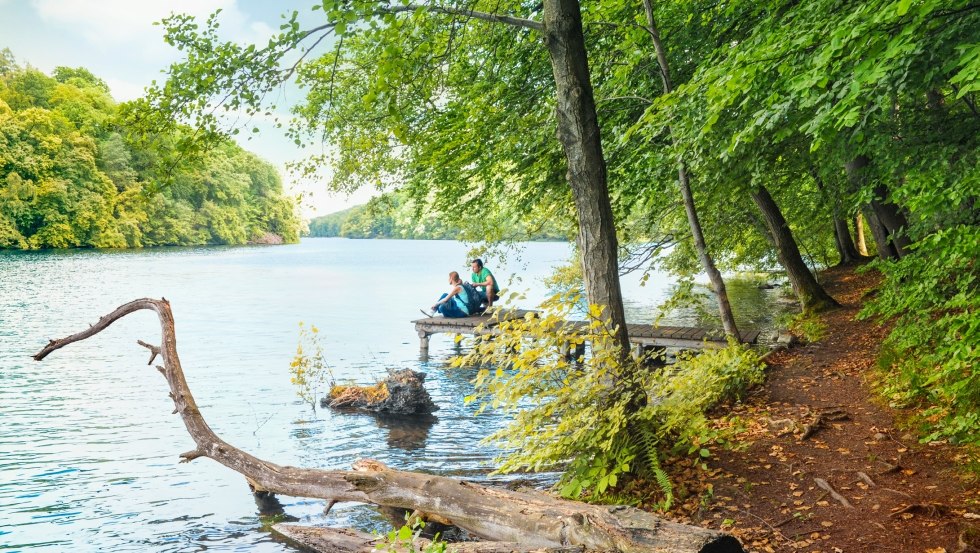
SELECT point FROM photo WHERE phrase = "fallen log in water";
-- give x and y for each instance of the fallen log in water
(533, 519)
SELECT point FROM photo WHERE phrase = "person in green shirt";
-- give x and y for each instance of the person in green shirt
(485, 283)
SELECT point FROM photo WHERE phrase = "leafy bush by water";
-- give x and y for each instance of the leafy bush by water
(601, 416)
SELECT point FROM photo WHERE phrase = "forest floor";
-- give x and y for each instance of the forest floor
(826, 466)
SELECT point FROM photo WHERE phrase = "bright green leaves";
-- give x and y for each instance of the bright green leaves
(967, 77)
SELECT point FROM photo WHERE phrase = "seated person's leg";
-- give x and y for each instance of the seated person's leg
(451, 309)
(440, 306)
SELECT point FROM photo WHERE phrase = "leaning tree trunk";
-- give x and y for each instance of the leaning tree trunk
(842, 235)
(886, 250)
(578, 131)
(684, 183)
(862, 246)
(498, 515)
(889, 225)
(812, 296)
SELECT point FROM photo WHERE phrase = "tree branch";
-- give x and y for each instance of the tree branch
(492, 17)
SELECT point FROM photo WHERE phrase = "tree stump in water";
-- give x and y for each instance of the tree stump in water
(400, 393)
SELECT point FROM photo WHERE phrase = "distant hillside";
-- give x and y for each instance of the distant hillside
(391, 216)
(70, 178)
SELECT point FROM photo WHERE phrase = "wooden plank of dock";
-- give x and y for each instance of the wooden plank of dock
(641, 335)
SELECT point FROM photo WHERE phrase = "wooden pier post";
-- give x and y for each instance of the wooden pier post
(423, 342)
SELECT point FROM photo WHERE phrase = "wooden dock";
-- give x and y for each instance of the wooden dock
(641, 335)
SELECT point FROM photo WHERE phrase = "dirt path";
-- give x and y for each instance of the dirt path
(900, 495)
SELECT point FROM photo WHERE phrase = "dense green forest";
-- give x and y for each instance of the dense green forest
(694, 137)
(69, 176)
(395, 215)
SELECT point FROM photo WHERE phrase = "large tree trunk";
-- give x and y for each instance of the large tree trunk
(531, 518)
(684, 183)
(578, 131)
(842, 235)
(812, 296)
(889, 225)
(859, 242)
(894, 221)
(886, 250)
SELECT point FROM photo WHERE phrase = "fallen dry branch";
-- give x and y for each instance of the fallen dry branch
(820, 419)
(824, 485)
(534, 519)
(933, 510)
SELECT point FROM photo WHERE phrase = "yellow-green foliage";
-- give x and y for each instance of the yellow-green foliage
(308, 369)
(601, 416)
(808, 326)
(341, 394)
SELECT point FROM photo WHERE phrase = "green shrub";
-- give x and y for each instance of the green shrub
(599, 416)
(930, 358)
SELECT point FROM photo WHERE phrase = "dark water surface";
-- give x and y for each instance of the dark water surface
(89, 449)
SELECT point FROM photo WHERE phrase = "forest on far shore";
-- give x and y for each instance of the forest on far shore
(71, 177)
(396, 215)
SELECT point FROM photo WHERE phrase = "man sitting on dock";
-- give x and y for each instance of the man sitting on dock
(457, 302)
(485, 283)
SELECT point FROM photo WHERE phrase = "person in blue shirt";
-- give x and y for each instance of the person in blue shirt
(455, 302)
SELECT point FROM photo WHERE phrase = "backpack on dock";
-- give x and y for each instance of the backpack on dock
(472, 298)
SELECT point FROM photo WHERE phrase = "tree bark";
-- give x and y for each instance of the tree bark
(531, 518)
(578, 132)
(862, 246)
(845, 244)
(842, 234)
(811, 294)
(880, 235)
(684, 183)
(891, 217)
(345, 540)
(889, 227)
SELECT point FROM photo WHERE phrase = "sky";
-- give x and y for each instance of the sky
(118, 41)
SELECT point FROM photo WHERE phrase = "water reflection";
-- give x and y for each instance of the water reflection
(407, 433)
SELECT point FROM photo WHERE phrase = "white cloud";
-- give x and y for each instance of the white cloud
(111, 24)
(123, 91)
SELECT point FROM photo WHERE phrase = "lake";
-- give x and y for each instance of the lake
(89, 449)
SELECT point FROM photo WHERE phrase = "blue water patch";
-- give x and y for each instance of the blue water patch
(57, 515)
(55, 473)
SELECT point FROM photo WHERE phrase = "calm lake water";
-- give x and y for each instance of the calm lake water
(89, 449)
